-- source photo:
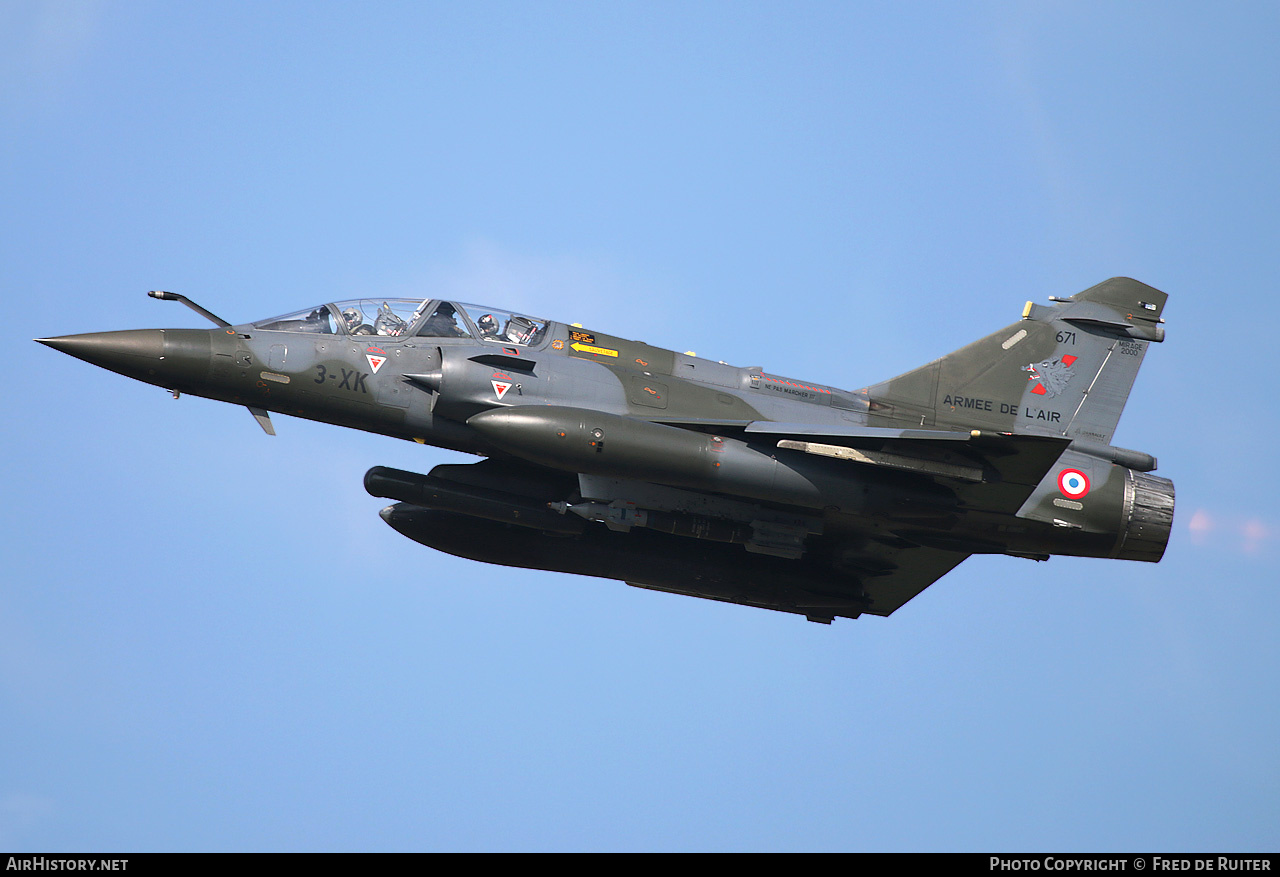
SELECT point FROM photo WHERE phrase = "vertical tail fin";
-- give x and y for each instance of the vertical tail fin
(1064, 369)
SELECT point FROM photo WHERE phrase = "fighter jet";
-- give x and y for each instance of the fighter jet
(612, 458)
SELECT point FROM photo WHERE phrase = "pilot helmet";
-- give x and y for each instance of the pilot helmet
(388, 321)
(352, 318)
(488, 325)
(521, 329)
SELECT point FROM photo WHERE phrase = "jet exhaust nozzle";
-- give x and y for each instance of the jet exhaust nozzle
(1148, 502)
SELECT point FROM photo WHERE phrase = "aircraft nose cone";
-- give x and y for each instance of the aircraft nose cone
(123, 352)
(176, 359)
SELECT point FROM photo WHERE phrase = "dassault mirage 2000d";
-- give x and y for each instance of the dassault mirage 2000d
(610, 458)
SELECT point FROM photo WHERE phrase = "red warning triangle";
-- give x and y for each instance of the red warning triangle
(500, 388)
(1038, 389)
(375, 362)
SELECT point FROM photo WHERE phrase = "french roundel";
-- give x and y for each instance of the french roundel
(1073, 483)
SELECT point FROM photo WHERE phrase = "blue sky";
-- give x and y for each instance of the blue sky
(209, 640)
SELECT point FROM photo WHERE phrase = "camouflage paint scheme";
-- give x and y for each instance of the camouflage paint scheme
(608, 457)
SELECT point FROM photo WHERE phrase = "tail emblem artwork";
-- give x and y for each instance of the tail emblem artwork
(1052, 375)
(606, 457)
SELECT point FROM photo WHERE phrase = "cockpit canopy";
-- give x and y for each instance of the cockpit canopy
(505, 327)
(398, 317)
(392, 316)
